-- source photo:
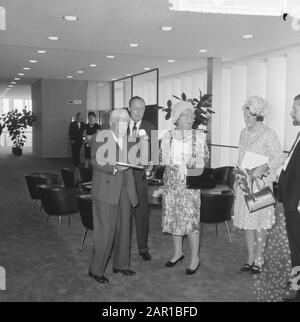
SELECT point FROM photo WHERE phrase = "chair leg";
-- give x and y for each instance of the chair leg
(46, 222)
(33, 207)
(83, 239)
(59, 226)
(228, 232)
(216, 229)
(69, 220)
(41, 206)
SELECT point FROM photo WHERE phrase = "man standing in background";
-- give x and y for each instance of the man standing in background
(76, 129)
(289, 193)
(138, 128)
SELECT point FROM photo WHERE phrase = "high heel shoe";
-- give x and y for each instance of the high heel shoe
(171, 264)
(247, 267)
(190, 271)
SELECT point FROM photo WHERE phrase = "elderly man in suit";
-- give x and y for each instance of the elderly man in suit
(113, 194)
(139, 127)
(76, 134)
(289, 193)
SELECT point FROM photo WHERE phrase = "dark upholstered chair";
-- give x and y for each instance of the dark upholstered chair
(85, 205)
(86, 174)
(69, 177)
(35, 179)
(224, 175)
(59, 201)
(216, 209)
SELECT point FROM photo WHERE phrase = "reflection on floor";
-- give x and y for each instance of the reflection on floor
(41, 267)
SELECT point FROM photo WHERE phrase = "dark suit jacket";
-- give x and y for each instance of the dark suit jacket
(140, 175)
(289, 183)
(106, 187)
(75, 133)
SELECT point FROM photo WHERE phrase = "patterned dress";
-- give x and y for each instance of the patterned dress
(181, 206)
(261, 140)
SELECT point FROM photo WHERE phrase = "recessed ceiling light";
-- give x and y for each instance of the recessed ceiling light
(171, 60)
(248, 36)
(134, 45)
(166, 28)
(70, 18)
(113, 79)
(128, 74)
(80, 72)
(17, 78)
(13, 83)
(203, 50)
(69, 76)
(110, 56)
(10, 86)
(26, 68)
(21, 74)
(33, 61)
(93, 65)
(147, 68)
(53, 38)
(41, 51)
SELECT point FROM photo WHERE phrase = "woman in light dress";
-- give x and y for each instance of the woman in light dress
(258, 138)
(180, 206)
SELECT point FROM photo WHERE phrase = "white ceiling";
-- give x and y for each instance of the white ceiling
(108, 26)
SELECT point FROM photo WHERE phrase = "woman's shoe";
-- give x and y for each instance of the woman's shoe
(171, 264)
(190, 271)
(256, 269)
(247, 267)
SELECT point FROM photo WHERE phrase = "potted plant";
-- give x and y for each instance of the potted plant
(202, 106)
(16, 123)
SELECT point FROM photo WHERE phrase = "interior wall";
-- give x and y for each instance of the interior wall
(37, 129)
(50, 98)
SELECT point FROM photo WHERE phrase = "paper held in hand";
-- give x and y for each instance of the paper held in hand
(253, 160)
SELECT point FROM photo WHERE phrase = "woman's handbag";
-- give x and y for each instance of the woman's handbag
(203, 181)
(260, 199)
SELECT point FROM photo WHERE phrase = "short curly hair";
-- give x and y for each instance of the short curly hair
(256, 105)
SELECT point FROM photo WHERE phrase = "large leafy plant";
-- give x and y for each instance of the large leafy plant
(202, 106)
(16, 123)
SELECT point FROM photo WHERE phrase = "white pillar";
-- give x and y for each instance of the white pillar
(257, 79)
(225, 117)
(276, 94)
(292, 89)
(238, 98)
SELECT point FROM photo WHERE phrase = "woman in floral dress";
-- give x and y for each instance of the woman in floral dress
(260, 139)
(180, 206)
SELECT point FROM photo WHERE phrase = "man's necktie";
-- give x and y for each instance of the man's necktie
(134, 129)
(294, 145)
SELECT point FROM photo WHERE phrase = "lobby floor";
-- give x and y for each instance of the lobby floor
(41, 267)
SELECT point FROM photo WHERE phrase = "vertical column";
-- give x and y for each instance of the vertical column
(225, 117)
(238, 98)
(292, 89)
(276, 94)
(214, 87)
(257, 79)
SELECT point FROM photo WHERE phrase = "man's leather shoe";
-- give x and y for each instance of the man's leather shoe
(99, 279)
(146, 256)
(126, 272)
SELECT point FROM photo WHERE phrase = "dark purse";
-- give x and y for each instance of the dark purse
(260, 199)
(202, 181)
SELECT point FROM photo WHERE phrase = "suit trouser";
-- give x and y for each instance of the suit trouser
(76, 154)
(111, 228)
(293, 232)
(141, 213)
